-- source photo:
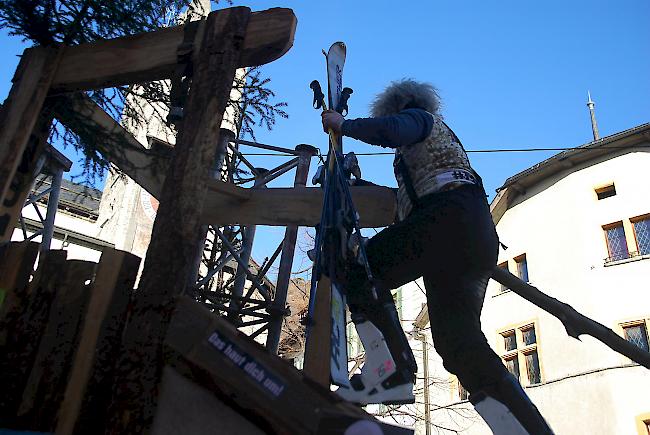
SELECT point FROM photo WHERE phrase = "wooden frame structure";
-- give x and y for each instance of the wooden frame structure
(225, 41)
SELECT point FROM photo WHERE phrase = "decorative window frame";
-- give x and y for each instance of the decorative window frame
(632, 321)
(634, 220)
(509, 263)
(604, 188)
(522, 349)
(642, 422)
(454, 389)
(630, 240)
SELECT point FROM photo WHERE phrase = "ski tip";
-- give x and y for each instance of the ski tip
(337, 46)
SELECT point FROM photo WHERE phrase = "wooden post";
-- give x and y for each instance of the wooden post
(288, 251)
(24, 337)
(16, 265)
(176, 231)
(12, 205)
(88, 392)
(21, 110)
(318, 346)
(46, 384)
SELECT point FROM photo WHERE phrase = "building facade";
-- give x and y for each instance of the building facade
(576, 226)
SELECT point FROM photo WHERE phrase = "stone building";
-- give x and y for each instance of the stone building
(577, 226)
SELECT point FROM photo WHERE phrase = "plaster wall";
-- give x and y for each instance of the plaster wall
(586, 387)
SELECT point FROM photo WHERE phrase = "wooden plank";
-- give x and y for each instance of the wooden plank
(291, 206)
(16, 265)
(177, 226)
(152, 56)
(23, 180)
(17, 356)
(20, 111)
(226, 203)
(120, 146)
(235, 368)
(318, 345)
(88, 392)
(46, 384)
(186, 407)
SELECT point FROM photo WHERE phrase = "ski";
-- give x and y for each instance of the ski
(335, 59)
(330, 235)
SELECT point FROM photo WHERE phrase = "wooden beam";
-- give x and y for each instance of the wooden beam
(19, 352)
(21, 185)
(88, 392)
(177, 226)
(45, 387)
(119, 146)
(22, 108)
(16, 265)
(318, 345)
(152, 56)
(269, 389)
(226, 203)
(229, 204)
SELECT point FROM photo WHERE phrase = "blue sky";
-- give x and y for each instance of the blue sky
(512, 74)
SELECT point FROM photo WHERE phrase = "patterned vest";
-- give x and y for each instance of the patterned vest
(439, 152)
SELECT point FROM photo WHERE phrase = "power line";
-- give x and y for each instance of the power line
(496, 150)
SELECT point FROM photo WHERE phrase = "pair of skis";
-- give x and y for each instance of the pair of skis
(339, 218)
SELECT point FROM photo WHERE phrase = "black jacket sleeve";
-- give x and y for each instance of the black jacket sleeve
(407, 127)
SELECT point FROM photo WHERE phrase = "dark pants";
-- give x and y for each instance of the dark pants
(451, 242)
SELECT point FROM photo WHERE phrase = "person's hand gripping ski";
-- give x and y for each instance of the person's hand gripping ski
(333, 121)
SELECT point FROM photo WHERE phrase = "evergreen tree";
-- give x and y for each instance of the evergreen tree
(71, 22)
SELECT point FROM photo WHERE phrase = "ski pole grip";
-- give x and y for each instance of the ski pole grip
(319, 97)
(343, 101)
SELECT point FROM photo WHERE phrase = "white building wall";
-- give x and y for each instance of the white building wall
(65, 221)
(586, 387)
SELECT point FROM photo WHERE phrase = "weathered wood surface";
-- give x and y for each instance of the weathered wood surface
(23, 180)
(16, 265)
(174, 241)
(45, 387)
(575, 323)
(318, 346)
(21, 109)
(153, 56)
(226, 203)
(266, 388)
(121, 147)
(18, 354)
(88, 391)
(230, 204)
(186, 407)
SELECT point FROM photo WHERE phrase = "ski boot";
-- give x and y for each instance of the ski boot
(388, 374)
(506, 409)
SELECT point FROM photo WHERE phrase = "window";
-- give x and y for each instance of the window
(605, 191)
(463, 394)
(522, 267)
(637, 334)
(616, 243)
(512, 364)
(528, 336)
(642, 234)
(521, 356)
(532, 367)
(509, 341)
(504, 266)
